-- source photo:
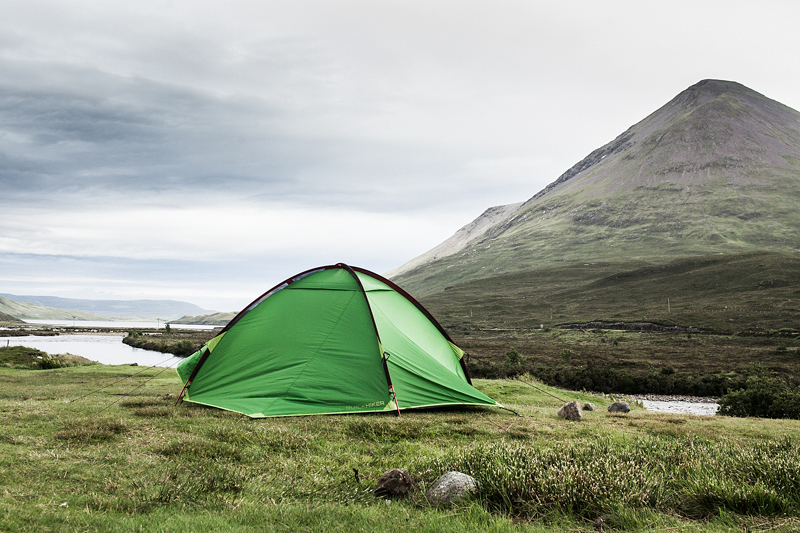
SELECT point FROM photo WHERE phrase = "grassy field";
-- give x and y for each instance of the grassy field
(99, 448)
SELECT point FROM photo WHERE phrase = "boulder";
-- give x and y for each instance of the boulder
(619, 407)
(571, 411)
(395, 482)
(450, 488)
(588, 406)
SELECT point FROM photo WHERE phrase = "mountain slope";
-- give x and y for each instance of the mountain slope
(715, 170)
(100, 309)
(26, 310)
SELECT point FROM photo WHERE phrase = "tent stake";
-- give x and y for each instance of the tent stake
(391, 388)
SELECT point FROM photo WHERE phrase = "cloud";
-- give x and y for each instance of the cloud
(172, 143)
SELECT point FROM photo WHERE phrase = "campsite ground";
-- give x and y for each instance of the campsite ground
(97, 448)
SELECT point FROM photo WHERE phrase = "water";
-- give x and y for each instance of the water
(681, 407)
(121, 324)
(105, 349)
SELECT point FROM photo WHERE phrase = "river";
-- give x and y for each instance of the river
(104, 349)
(682, 407)
(110, 350)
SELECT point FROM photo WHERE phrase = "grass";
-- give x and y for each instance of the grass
(125, 458)
(31, 358)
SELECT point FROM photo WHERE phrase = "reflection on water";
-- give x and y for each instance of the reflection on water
(105, 349)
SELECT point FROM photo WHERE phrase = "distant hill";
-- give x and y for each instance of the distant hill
(25, 310)
(113, 309)
(215, 319)
(8, 318)
(714, 171)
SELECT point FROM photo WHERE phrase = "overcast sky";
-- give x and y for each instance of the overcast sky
(205, 151)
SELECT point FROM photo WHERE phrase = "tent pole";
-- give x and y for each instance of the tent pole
(181, 394)
(397, 405)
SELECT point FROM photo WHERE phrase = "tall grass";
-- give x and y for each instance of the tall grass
(690, 476)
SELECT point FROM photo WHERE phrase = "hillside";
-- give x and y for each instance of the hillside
(215, 319)
(736, 293)
(23, 310)
(113, 309)
(714, 171)
(7, 318)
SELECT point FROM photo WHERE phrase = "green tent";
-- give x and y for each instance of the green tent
(335, 339)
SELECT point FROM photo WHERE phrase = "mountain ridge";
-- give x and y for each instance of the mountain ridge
(105, 309)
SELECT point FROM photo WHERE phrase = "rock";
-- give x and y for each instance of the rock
(134, 364)
(619, 407)
(588, 406)
(450, 488)
(395, 482)
(571, 411)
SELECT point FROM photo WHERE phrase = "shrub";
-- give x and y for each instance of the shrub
(689, 476)
(764, 397)
(786, 405)
(512, 357)
(47, 362)
(184, 348)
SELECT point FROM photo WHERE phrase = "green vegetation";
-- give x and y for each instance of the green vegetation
(764, 396)
(8, 318)
(179, 343)
(125, 459)
(31, 358)
(721, 293)
(632, 362)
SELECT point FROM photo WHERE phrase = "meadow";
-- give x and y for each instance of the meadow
(99, 448)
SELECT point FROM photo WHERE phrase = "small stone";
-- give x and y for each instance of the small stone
(571, 411)
(588, 406)
(395, 482)
(619, 407)
(450, 488)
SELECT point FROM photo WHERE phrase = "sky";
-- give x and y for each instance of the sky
(204, 151)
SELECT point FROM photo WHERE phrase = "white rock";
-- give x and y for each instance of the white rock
(450, 488)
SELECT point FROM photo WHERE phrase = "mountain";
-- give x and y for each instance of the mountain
(108, 309)
(27, 310)
(714, 171)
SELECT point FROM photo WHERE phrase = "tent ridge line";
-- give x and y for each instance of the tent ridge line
(352, 272)
(421, 308)
(243, 312)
